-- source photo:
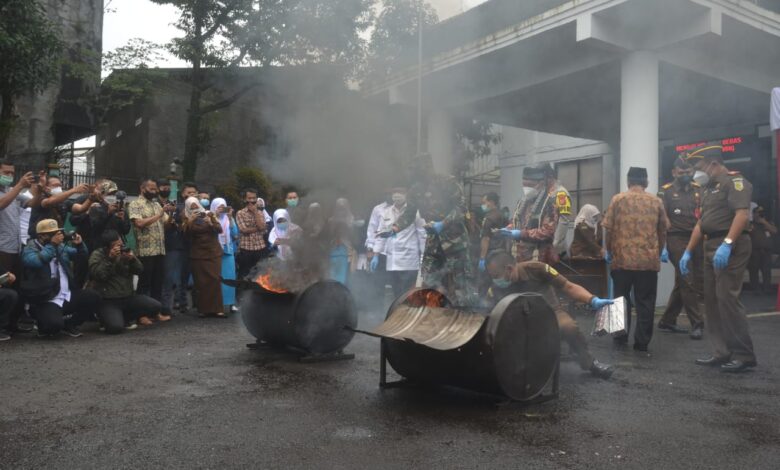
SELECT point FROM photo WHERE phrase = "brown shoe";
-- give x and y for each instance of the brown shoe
(163, 318)
(145, 321)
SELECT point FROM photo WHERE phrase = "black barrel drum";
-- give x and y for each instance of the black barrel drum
(512, 350)
(318, 320)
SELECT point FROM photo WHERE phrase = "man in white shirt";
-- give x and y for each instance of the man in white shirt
(375, 248)
(402, 250)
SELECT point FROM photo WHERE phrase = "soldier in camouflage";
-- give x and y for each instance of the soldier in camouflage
(446, 264)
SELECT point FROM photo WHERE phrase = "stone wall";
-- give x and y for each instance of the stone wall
(62, 111)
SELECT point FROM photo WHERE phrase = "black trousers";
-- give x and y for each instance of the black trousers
(13, 263)
(401, 281)
(645, 286)
(8, 301)
(114, 314)
(150, 282)
(247, 260)
(51, 318)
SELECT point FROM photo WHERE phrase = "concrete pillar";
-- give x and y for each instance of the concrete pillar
(639, 116)
(441, 139)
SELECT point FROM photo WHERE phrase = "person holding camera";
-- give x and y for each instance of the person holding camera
(103, 208)
(56, 301)
(111, 270)
(203, 230)
(149, 218)
(56, 203)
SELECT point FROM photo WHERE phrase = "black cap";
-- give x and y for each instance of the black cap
(548, 170)
(637, 173)
(533, 173)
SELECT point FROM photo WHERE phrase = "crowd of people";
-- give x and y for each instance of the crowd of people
(423, 234)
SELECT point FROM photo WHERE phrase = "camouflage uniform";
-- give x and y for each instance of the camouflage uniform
(446, 264)
(543, 221)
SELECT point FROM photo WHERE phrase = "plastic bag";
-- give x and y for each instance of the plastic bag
(611, 319)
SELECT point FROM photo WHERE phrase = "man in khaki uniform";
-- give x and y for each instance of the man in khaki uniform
(682, 201)
(723, 227)
(509, 277)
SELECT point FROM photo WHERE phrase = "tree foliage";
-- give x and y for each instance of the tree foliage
(253, 178)
(31, 54)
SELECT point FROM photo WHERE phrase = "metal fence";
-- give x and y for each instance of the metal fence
(72, 179)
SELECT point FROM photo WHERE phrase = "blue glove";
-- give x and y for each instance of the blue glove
(664, 255)
(514, 234)
(374, 264)
(608, 257)
(686, 258)
(721, 259)
(596, 303)
(482, 266)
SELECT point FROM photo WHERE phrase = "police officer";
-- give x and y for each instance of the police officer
(509, 277)
(446, 264)
(723, 228)
(682, 201)
(541, 219)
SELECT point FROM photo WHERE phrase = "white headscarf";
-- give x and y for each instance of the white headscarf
(188, 212)
(588, 215)
(224, 221)
(343, 213)
(265, 212)
(276, 232)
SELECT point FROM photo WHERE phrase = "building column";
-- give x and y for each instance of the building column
(639, 116)
(441, 139)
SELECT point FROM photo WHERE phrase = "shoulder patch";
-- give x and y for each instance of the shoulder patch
(563, 201)
(739, 184)
(666, 186)
(551, 270)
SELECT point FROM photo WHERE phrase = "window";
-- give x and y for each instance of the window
(583, 179)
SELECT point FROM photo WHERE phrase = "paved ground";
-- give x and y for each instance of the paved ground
(190, 395)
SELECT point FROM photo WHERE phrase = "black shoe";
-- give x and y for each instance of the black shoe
(737, 366)
(640, 347)
(21, 328)
(671, 328)
(697, 333)
(601, 370)
(4, 336)
(72, 331)
(712, 361)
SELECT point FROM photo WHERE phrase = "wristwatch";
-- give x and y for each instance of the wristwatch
(728, 241)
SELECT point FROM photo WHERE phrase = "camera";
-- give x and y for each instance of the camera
(120, 199)
(126, 249)
(68, 235)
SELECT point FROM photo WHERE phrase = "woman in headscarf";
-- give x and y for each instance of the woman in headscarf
(283, 233)
(315, 222)
(587, 234)
(203, 229)
(227, 240)
(343, 257)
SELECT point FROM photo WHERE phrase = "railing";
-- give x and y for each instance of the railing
(70, 180)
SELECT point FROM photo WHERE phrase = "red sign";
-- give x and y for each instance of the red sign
(729, 145)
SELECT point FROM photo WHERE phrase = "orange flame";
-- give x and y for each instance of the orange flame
(426, 298)
(264, 280)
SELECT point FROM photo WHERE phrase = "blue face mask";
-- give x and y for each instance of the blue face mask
(292, 203)
(502, 283)
(205, 203)
(484, 208)
(282, 226)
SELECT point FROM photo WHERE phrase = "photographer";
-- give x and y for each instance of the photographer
(56, 302)
(55, 204)
(177, 263)
(111, 270)
(100, 210)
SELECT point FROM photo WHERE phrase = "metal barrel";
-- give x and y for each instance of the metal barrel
(515, 351)
(319, 320)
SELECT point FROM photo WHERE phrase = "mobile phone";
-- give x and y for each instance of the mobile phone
(201, 214)
(126, 249)
(4, 279)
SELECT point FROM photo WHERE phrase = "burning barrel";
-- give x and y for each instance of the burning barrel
(512, 350)
(318, 320)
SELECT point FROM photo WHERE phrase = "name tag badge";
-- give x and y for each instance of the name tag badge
(677, 212)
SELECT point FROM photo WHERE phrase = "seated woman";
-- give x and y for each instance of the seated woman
(587, 235)
(111, 270)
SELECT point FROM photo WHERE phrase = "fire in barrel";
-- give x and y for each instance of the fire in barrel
(318, 319)
(512, 350)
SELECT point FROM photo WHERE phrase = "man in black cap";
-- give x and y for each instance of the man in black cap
(635, 224)
(536, 222)
(682, 201)
(723, 227)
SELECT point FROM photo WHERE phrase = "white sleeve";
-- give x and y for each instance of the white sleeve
(422, 235)
(373, 225)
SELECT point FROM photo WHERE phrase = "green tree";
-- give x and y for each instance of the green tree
(31, 56)
(223, 34)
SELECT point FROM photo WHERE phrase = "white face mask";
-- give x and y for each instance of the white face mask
(56, 190)
(701, 178)
(530, 193)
